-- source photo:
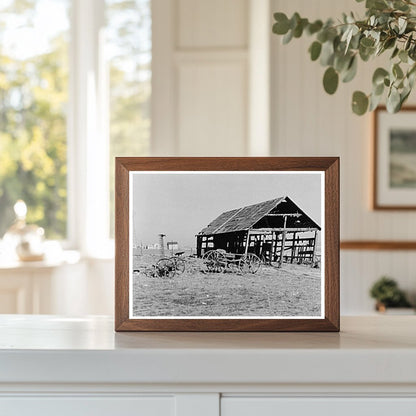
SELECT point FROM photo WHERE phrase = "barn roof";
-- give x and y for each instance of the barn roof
(245, 218)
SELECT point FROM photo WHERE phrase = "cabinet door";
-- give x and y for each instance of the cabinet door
(272, 406)
(87, 406)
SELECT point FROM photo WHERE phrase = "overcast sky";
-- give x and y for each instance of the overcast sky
(182, 204)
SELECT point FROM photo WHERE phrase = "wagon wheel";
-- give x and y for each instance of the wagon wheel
(166, 268)
(180, 265)
(222, 262)
(250, 263)
(212, 260)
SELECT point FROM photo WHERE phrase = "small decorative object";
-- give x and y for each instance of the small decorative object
(227, 244)
(27, 241)
(394, 183)
(387, 294)
(388, 28)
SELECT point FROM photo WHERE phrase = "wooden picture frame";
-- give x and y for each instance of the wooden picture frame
(136, 197)
(394, 184)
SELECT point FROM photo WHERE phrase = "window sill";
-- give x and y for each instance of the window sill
(63, 258)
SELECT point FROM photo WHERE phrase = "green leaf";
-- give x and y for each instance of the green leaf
(367, 42)
(403, 56)
(395, 52)
(327, 53)
(378, 89)
(315, 50)
(376, 4)
(288, 37)
(400, 5)
(366, 53)
(294, 20)
(348, 35)
(411, 76)
(351, 71)
(397, 71)
(374, 101)
(379, 75)
(402, 24)
(389, 43)
(298, 30)
(393, 101)
(342, 62)
(281, 27)
(408, 42)
(403, 96)
(314, 27)
(412, 52)
(330, 80)
(359, 103)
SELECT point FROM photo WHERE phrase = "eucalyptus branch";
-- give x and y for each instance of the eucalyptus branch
(389, 25)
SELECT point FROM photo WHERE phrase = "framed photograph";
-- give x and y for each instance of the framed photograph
(395, 159)
(227, 244)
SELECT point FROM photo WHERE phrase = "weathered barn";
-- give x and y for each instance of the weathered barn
(276, 231)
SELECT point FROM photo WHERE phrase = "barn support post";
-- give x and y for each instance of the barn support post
(283, 242)
(293, 248)
(275, 239)
(314, 249)
(247, 242)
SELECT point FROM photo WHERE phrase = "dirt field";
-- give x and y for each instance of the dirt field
(293, 290)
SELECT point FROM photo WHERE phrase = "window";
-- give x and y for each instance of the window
(129, 46)
(75, 87)
(33, 98)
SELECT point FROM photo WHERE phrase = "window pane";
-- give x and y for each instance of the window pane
(33, 100)
(129, 46)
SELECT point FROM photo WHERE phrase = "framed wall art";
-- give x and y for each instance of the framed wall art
(394, 179)
(227, 244)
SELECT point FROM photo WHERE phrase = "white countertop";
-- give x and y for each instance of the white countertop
(53, 349)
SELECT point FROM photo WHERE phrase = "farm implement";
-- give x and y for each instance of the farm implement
(217, 261)
(166, 267)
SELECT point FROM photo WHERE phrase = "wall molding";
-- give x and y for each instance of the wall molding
(378, 245)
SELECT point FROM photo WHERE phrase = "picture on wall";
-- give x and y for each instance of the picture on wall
(214, 249)
(394, 159)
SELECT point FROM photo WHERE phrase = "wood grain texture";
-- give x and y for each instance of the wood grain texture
(330, 165)
(378, 245)
(376, 204)
(121, 244)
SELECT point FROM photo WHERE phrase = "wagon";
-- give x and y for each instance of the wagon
(170, 266)
(219, 261)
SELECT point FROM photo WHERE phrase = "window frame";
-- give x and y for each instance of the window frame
(88, 133)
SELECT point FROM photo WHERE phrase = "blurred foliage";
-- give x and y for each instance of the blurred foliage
(387, 292)
(389, 27)
(33, 106)
(33, 97)
(129, 37)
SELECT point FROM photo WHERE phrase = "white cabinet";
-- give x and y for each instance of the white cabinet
(270, 406)
(51, 365)
(88, 406)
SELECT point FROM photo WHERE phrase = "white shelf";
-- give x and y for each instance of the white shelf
(52, 349)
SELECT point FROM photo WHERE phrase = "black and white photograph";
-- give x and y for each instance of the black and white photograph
(226, 244)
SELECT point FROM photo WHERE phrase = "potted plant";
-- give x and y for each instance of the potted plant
(387, 294)
(389, 27)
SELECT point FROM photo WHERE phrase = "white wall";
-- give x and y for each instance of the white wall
(308, 122)
(202, 85)
(211, 92)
